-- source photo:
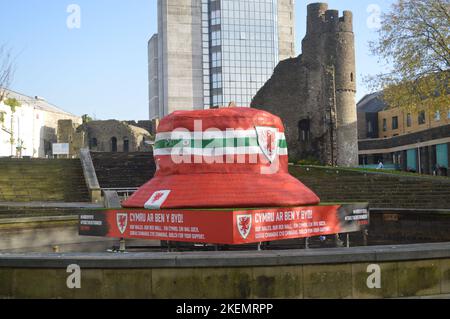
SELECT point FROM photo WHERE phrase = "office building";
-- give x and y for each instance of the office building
(208, 53)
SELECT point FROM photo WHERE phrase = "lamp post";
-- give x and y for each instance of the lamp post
(418, 153)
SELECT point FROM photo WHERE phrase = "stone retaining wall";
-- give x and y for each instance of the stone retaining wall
(405, 271)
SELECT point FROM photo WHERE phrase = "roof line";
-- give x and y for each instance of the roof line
(43, 101)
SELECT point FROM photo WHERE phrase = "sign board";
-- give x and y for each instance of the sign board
(60, 148)
(232, 226)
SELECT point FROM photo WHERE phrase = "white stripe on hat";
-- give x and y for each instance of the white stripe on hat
(218, 151)
(208, 135)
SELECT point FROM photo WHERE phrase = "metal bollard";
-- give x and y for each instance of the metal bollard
(339, 242)
(122, 245)
(366, 236)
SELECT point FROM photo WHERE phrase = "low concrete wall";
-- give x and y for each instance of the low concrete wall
(405, 271)
(44, 234)
(408, 226)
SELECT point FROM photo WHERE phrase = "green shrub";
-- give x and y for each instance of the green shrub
(309, 161)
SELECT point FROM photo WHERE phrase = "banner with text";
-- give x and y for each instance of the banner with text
(225, 226)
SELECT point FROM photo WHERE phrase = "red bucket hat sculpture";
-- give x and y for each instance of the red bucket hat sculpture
(224, 158)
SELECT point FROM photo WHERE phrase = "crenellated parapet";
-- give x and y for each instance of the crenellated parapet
(321, 19)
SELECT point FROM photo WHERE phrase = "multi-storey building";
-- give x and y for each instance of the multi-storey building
(209, 53)
(413, 140)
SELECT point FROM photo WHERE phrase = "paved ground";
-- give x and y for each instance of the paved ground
(50, 205)
(446, 296)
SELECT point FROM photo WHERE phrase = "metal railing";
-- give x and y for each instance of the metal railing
(122, 192)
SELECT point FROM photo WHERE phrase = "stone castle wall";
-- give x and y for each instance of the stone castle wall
(314, 94)
(128, 136)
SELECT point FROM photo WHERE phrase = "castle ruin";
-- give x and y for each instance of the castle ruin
(314, 94)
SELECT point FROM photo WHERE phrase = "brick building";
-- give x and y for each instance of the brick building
(410, 140)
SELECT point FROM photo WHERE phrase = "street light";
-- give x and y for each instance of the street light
(418, 152)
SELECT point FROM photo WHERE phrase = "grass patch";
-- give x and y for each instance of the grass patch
(376, 171)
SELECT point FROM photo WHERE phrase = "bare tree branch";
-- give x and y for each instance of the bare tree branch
(6, 70)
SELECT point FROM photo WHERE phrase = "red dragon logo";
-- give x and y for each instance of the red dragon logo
(244, 224)
(157, 197)
(270, 142)
(122, 222)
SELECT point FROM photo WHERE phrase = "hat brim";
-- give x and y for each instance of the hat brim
(224, 191)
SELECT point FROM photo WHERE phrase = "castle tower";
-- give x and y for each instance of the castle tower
(347, 131)
(329, 47)
(314, 94)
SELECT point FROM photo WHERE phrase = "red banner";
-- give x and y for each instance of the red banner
(225, 226)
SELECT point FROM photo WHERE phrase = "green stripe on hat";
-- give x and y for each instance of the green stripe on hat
(211, 143)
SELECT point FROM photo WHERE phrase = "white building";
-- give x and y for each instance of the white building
(33, 125)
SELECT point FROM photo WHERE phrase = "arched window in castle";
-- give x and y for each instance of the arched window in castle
(126, 145)
(113, 144)
(93, 143)
(352, 78)
(304, 130)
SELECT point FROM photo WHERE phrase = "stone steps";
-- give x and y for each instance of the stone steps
(380, 190)
(121, 170)
(42, 180)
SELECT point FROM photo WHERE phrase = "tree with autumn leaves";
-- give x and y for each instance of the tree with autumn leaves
(415, 39)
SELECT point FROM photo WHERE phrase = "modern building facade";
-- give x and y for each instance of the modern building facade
(153, 79)
(410, 140)
(209, 53)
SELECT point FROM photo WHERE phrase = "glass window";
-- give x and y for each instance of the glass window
(384, 125)
(248, 42)
(437, 116)
(421, 117)
(408, 120)
(395, 122)
(369, 127)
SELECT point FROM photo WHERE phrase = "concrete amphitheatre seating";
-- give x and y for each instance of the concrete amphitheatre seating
(63, 181)
(381, 190)
(42, 180)
(122, 170)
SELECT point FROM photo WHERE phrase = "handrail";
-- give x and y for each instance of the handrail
(90, 176)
